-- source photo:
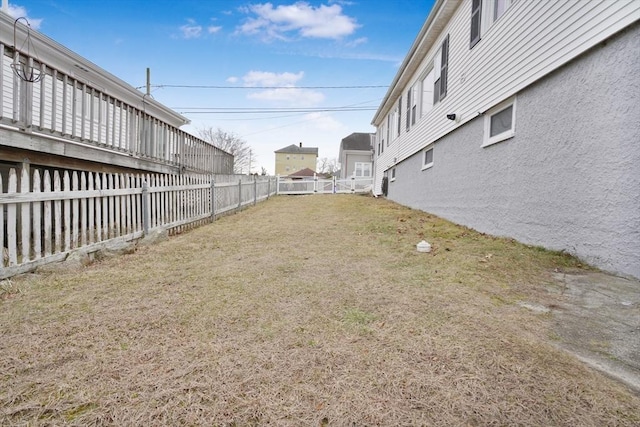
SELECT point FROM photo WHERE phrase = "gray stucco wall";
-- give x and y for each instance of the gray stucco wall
(568, 180)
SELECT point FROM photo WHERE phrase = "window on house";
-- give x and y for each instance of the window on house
(441, 67)
(389, 119)
(499, 7)
(427, 158)
(412, 106)
(362, 170)
(393, 174)
(395, 123)
(427, 92)
(483, 14)
(476, 19)
(500, 122)
(414, 103)
(399, 121)
(408, 115)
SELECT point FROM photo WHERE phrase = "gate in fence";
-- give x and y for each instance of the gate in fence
(316, 185)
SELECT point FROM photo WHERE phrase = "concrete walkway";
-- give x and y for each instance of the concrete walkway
(598, 320)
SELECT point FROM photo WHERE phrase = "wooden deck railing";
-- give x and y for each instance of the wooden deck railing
(72, 108)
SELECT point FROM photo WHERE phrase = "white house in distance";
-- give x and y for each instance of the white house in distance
(355, 155)
(522, 118)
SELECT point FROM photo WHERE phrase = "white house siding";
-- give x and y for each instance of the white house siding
(529, 41)
(570, 177)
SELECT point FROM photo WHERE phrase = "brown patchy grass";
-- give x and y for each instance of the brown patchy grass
(301, 311)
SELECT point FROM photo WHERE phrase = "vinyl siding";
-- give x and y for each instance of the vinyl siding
(531, 39)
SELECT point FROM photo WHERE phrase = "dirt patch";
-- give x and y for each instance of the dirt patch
(302, 311)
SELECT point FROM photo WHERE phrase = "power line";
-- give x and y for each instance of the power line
(264, 87)
(269, 110)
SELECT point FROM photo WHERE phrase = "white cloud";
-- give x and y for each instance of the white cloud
(357, 42)
(293, 96)
(299, 18)
(280, 88)
(266, 78)
(213, 29)
(325, 122)
(16, 12)
(232, 79)
(191, 30)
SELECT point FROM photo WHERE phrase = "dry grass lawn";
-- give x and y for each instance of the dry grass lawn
(301, 311)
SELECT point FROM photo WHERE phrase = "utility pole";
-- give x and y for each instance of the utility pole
(148, 81)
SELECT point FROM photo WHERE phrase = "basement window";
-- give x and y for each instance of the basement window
(500, 122)
(427, 159)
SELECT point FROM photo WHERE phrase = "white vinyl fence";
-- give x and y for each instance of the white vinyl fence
(46, 215)
(315, 185)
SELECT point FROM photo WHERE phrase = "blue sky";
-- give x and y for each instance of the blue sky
(249, 50)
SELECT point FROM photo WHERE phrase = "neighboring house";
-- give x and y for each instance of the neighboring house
(355, 155)
(294, 158)
(522, 118)
(302, 174)
(58, 110)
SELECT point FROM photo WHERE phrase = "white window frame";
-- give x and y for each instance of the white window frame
(488, 10)
(425, 164)
(362, 167)
(393, 174)
(510, 133)
(413, 111)
(494, 8)
(395, 122)
(426, 93)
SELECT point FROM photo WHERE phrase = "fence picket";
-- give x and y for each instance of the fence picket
(105, 208)
(25, 216)
(46, 188)
(37, 219)
(163, 208)
(126, 183)
(111, 215)
(75, 212)
(117, 224)
(138, 201)
(92, 202)
(83, 211)
(57, 214)
(66, 180)
(123, 206)
(12, 237)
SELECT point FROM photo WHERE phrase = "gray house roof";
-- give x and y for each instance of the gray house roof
(298, 149)
(357, 141)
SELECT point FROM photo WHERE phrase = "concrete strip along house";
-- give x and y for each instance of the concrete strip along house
(522, 118)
